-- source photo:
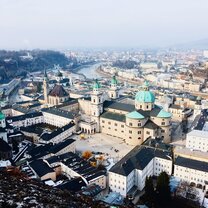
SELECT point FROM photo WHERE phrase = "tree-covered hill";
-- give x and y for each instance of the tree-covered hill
(18, 63)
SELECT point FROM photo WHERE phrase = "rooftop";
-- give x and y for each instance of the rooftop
(135, 115)
(151, 125)
(198, 133)
(25, 116)
(40, 167)
(4, 146)
(113, 116)
(56, 132)
(138, 158)
(192, 164)
(119, 106)
(60, 112)
(164, 114)
(58, 91)
(73, 185)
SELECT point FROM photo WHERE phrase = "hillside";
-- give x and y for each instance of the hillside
(18, 63)
(18, 191)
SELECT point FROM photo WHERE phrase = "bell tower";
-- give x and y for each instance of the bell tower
(45, 87)
(96, 103)
(113, 90)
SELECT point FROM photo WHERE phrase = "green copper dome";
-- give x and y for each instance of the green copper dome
(135, 115)
(164, 114)
(114, 80)
(96, 85)
(2, 116)
(144, 95)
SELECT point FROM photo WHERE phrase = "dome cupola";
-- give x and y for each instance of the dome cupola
(144, 99)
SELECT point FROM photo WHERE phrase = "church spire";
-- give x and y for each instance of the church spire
(114, 81)
(45, 75)
(45, 87)
(96, 86)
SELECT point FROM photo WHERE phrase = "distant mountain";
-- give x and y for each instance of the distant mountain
(198, 44)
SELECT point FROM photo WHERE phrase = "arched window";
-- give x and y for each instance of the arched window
(139, 138)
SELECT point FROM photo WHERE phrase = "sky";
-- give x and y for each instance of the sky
(47, 24)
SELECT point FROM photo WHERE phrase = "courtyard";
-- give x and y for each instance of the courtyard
(112, 148)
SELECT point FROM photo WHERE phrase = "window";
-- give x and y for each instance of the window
(139, 138)
(139, 124)
(163, 123)
(94, 100)
(129, 137)
(130, 132)
(147, 106)
(147, 132)
(140, 106)
(103, 121)
(139, 132)
(122, 126)
(109, 122)
(162, 131)
(116, 124)
(130, 124)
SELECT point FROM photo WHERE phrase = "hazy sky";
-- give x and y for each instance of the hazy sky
(101, 23)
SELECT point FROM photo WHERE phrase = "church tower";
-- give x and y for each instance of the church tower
(113, 90)
(3, 134)
(96, 103)
(45, 87)
(59, 76)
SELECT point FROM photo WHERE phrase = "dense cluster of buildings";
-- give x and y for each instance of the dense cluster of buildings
(106, 114)
(49, 124)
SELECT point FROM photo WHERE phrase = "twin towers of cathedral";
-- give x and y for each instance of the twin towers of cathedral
(96, 95)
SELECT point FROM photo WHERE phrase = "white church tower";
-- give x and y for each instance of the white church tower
(113, 90)
(45, 87)
(96, 104)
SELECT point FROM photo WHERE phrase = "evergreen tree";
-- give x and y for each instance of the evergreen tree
(149, 195)
(163, 189)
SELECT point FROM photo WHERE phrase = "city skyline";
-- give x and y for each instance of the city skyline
(70, 24)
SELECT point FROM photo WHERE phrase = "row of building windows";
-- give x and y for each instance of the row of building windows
(139, 124)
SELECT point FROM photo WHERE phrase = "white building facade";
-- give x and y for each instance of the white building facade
(133, 171)
(197, 140)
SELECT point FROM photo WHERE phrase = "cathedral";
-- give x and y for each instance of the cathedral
(57, 95)
(104, 112)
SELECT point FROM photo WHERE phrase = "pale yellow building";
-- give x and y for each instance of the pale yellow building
(136, 123)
